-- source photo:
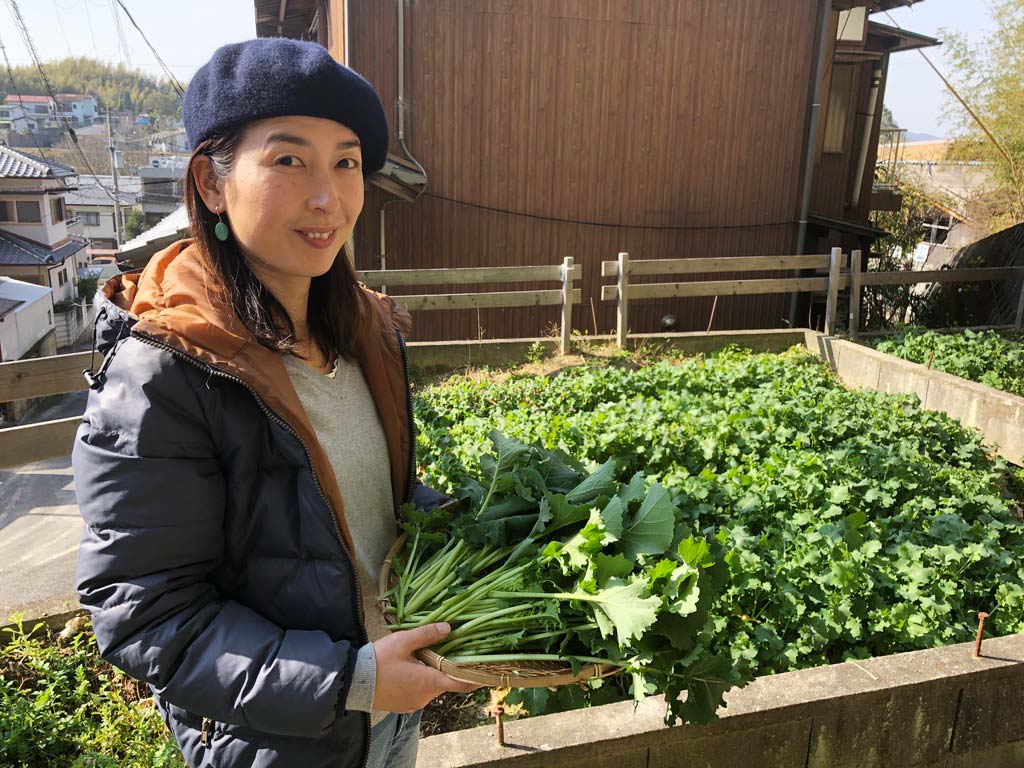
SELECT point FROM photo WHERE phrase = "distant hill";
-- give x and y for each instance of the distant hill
(114, 85)
(911, 136)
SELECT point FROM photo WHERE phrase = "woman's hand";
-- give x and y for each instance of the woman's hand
(404, 684)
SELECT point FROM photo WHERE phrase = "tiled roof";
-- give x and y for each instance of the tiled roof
(13, 99)
(21, 165)
(17, 251)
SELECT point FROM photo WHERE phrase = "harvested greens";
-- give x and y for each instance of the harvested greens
(550, 562)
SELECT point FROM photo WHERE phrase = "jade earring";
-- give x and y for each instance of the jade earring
(221, 230)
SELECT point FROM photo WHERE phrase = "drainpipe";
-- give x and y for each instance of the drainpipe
(401, 130)
(401, 88)
(869, 124)
(824, 14)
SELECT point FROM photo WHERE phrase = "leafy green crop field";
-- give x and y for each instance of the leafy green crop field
(863, 524)
(987, 357)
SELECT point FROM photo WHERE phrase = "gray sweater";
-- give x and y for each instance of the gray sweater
(344, 417)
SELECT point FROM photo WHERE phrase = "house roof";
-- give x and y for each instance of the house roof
(21, 165)
(18, 252)
(901, 39)
(873, 6)
(171, 227)
(19, 291)
(92, 190)
(9, 305)
(12, 99)
(74, 96)
(842, 225)
(298, 15)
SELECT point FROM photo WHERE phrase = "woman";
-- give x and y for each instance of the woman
(249, 437)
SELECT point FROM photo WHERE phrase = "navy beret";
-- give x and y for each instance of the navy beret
(276, 76)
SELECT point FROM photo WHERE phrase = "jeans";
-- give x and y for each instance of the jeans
(393, 741)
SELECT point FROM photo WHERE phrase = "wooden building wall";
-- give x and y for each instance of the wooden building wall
(665, 128)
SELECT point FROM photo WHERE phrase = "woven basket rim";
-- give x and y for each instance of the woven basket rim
(510, 675)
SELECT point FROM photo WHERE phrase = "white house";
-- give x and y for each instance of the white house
(36, 244)
(78, 108)
(26, 318)
(29, 112)
(95, 207)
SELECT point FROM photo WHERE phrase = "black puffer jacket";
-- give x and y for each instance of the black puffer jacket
(215, 559)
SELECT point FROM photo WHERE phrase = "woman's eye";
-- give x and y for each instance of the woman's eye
(351, 162)
(289, 161)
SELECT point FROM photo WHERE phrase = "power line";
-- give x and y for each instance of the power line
(14, 85)
(63, 31)
(617, 225)
(170, 75)
(48, 87)
(120, 35)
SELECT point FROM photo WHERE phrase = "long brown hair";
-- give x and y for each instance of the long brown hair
(336, 310)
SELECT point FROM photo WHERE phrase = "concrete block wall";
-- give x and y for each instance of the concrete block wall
(926, 709)
(998, 415)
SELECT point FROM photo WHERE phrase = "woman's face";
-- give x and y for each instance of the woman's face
(293, 195)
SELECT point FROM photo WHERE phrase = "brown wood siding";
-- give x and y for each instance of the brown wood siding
(665, 128)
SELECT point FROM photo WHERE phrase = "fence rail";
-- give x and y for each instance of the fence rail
(844, 273)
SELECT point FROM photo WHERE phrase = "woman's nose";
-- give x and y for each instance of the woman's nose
(323, 196)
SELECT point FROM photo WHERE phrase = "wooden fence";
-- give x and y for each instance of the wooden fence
(624, 291)
(566, 272)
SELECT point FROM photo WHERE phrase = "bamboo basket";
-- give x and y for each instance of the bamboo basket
(520, 674)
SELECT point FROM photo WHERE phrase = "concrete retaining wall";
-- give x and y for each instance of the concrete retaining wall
(997, 414)
(927, 709)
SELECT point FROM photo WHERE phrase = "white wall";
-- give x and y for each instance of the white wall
(22, 329)
(66, 291)
(46, 231)
(105, 229)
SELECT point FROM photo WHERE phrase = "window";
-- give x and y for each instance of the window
(91, 218)
(6, 210)
(29, 211)
(57, 211)
(838, 117)
(60, 278)
(853, 25)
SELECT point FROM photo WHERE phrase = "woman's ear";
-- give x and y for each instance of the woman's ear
(207, 183)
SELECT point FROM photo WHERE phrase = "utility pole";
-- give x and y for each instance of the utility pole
(113, 172)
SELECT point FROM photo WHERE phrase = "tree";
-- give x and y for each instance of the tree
(887, 307)
(134, 223)
(888, 121)
(990, 76)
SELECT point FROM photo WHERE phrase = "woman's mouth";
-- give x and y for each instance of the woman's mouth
(318, 238)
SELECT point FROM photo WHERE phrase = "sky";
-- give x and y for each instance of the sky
(186, 36)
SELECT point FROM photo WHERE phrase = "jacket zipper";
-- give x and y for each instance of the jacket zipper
(204, 734)
(412, 422)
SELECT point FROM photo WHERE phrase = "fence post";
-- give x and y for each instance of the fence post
(854, 328)
(567, 265)
(622, 328)
(1019, 322)
(833, 291)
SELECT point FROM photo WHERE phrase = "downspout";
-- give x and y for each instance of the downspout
(869, 127)
(280, 17)
(401, 130)
(401, 90)
(824, 14)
